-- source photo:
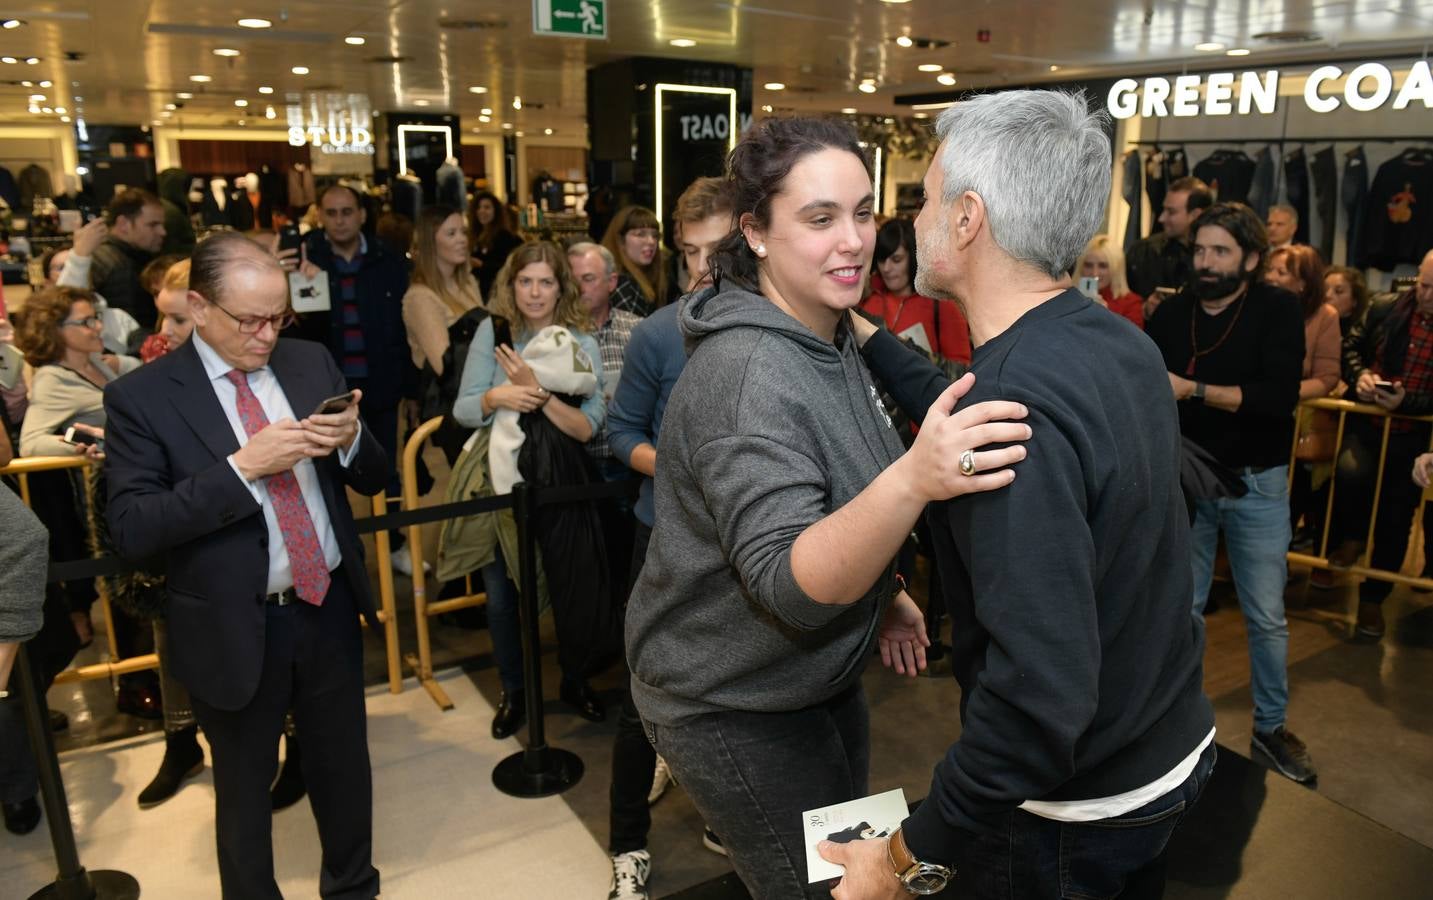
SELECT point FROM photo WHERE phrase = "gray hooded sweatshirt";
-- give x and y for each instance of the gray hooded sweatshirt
(770, 429)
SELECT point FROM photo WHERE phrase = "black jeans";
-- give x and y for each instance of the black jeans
(1027, 856)
(1353, 498)
(633, 759)
(752, 775)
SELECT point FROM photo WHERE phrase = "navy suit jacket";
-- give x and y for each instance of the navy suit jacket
(174, 498)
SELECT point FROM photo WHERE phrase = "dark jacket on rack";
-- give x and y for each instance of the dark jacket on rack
(1380, 342)
(34, 182)
(1229, 172)
(9, 190)
(1399, 226)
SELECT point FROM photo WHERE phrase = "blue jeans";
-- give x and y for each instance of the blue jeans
(1256, 534)
(752, 775)
(1027, 856)
(504, 623)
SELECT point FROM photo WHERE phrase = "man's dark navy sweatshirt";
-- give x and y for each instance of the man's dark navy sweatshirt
(1079, 659)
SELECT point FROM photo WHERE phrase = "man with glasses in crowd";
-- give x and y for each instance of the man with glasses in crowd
(221, 463)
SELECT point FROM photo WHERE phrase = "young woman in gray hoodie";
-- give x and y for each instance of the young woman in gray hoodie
(782, 497)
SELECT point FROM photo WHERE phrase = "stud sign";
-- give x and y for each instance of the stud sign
(332, 123)
(1367, 88)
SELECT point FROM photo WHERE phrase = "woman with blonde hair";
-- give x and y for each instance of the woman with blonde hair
(1103, 259)
(537, 304)
(635, 240)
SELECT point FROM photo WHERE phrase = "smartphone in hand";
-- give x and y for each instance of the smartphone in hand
(335, 405)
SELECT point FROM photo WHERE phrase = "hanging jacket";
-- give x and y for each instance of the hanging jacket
(1398, 227)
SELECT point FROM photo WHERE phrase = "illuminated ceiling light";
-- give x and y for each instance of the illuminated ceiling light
(486, 111)
(895, 2)
(1238, 51)
(166, 114)
(265, 89)
(46, 83)
(11, 23)
(516, 102)
(867, 87)
(848, 110)
(225, 51)
(945, 78)
(485, 118)
(354, 40)
(29, 84)
(61, 110)
(299, 70)
(170, 106)
(517, 134)
(37, 96)
(32, 60)
(1209, 47)
(200, 79)
(477, 89)
(255, 23)
(547, 131)
(35, 109)
(682, 42)
(905, 41)
(921, 116)
(8, 60)
(774, 86)
(64, 118)
(269, 113)
(241, 103)
(182, 95)
(1054, 68)
(766, 108)
(507, 125)
(420, 102)
(930, 67)
(46, 110)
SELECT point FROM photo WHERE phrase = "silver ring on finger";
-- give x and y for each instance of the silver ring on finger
(967, 462)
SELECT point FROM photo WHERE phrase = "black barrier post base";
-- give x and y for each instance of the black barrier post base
(538, 773)
(72, 882)
(540, 770)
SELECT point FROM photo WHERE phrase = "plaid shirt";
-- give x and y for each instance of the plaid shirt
(1417, 374)
(612, 339)
(627, 296)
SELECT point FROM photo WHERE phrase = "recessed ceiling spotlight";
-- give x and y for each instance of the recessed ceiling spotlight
(848, 110)
(32, 60)
(241, 103)
(477, 89)
(170, 106)
(47, 110)
(225, 51)
(64, 119)
(945, 78)
(1209, 47)
(895, 2)
(255, 23)
(299, 70)
(354, 40)
(774, 86)
(8, 24)
(507, 125)
(8, 60)
(34, 110)
(905, 41)
(420, 102)
(486, 111)
(29, 84)
(182, 95)
(1238, 51)
(517, 134)
(547, 131)
(682, 42)
(37, 97)
(517, 103)
(61, 110)
(166, 114)
(200, 79)
(766, 108)
(46, 83)
(485, 118)
(866, 87)
(265, 89)
(930, 67)
(1054, 68)
(269, 113)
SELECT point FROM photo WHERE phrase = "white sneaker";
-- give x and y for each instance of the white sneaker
(403, 562)
(661, 779)
(629, 875)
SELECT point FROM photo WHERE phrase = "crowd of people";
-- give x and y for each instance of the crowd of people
(852, 380)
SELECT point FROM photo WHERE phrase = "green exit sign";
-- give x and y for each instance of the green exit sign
(570, 18)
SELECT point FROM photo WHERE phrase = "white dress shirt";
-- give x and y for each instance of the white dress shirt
(270, 394)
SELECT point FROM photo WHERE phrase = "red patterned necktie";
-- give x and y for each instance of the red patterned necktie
(306, 562)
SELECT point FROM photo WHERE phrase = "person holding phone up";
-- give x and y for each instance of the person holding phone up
(1388, 358)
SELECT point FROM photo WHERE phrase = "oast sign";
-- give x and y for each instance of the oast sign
(1368, 87)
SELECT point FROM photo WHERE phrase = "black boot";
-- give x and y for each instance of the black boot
(183, 759)
(289, 788)
(512, 710)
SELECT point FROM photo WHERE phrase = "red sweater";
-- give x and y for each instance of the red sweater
(946, 330)
(1131, 306)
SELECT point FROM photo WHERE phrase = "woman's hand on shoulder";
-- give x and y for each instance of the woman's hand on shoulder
(947, 459)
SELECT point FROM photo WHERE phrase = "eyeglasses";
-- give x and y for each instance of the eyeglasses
(254, 324)
(86, 322)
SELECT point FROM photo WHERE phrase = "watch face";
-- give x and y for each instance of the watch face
(927, 883)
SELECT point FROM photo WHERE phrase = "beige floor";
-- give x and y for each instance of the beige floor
(441, 828)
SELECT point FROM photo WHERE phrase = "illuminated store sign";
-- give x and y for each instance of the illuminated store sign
(332, 123)
(1368, 87)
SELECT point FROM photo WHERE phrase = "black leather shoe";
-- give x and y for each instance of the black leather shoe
(22, 817)
(289, 788)
(512, 711)
(581, 697)
(183, 759)
(59, 721)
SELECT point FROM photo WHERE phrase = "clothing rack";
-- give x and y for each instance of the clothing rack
(1399, 139)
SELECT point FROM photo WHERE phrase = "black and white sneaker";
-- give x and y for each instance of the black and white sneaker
(1285, 753)
(629, 875)
(712, 842)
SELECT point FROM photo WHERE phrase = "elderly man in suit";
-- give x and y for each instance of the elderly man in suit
(221, 466)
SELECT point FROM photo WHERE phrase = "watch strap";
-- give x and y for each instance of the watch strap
(899, 853)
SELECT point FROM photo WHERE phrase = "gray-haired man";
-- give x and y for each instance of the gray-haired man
(596, 274)
(1086, 735)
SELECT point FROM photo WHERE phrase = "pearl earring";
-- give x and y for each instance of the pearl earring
(760, 249)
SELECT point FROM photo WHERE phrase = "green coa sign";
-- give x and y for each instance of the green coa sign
(570, 18)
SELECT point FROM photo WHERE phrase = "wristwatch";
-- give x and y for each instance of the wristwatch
(921, 878)
(1198, 392)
